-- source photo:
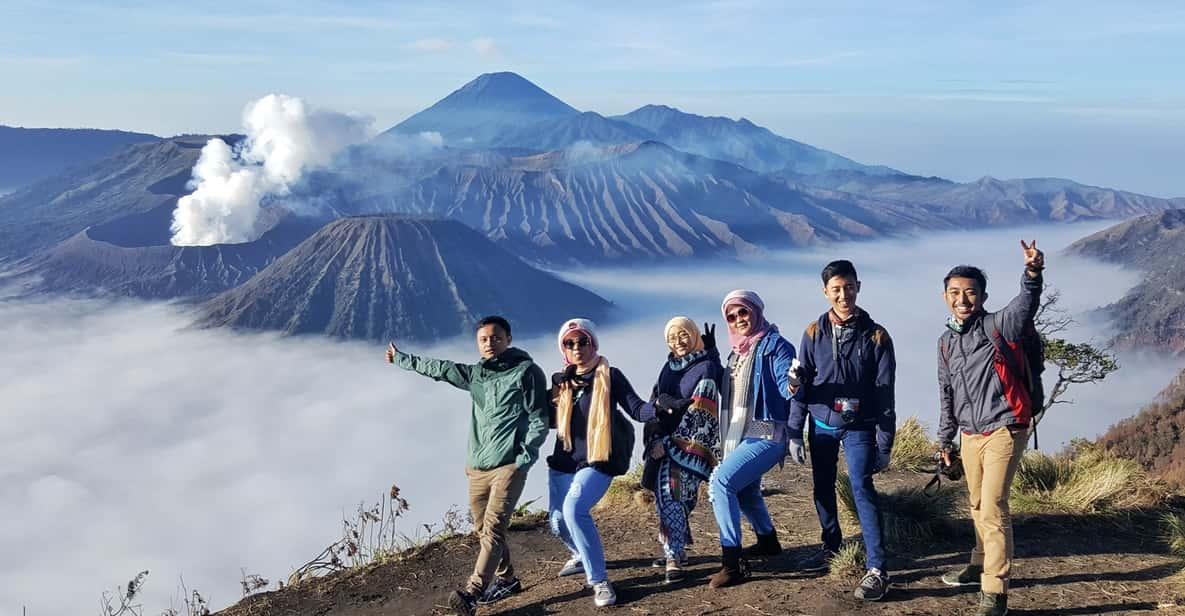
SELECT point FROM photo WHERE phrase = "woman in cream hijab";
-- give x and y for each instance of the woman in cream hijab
(686, 444)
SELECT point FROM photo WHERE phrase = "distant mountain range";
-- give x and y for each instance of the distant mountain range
(31, 154)
(384, 277)
(1152, 314)
(544, 181)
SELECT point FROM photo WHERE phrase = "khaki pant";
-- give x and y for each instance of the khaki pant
(493, 495)
(990, 463)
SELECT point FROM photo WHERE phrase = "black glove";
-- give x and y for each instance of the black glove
(672, 404)
(709, 336)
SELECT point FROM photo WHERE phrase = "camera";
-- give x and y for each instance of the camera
(952, 471)
(848, 409)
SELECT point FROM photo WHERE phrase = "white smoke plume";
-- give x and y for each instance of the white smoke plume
(285, 138)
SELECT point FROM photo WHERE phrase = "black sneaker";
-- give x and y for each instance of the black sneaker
(992, 604)
(462, 603)
(967, 576)
(659, 562)
(499, 589)
(873, 586)
(820, 560)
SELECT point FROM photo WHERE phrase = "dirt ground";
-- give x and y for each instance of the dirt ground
(1065, 565)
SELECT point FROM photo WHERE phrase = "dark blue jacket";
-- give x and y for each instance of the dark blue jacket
(864, 368)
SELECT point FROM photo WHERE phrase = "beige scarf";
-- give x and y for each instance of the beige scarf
(599, 430)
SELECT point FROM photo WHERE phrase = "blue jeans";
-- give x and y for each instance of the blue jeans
(859, 449)
(735, 488)
(572, 496)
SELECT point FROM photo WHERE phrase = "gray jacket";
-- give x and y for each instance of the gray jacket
(972, 386)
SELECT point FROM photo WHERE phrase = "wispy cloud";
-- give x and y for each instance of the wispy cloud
(42, 61)
(429, 45)
(217, 58)
(485, 46)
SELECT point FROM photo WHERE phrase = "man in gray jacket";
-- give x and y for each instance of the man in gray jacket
(990, 405)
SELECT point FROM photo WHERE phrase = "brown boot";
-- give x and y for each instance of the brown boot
(734, 571)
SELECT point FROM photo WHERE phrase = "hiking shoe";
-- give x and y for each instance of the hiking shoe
(992, 604)
(661, 563)
(873, 586)
(819, 560)
(462, 603)
(967, 576)
(572, 567)
(603, 594)
(674, 572)
(500, 589)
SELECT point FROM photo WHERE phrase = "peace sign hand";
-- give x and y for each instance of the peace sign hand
(1034, 258)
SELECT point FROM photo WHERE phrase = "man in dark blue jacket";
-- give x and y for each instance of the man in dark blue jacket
(846, 393)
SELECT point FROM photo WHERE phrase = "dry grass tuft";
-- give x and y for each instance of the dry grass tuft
(849, 561)
(1172, 532)
(912, 449)
(1084, 479)
(908, 514)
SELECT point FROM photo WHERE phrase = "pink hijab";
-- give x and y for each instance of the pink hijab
(749, 299)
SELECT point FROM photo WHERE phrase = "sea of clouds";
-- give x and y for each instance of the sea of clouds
(131, 442)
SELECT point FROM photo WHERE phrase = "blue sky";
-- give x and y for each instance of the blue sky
(1094, 91)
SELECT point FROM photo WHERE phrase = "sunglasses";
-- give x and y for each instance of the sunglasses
(740, 313)
(576, 343)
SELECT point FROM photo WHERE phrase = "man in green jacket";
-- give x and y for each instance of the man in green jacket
(507, 425)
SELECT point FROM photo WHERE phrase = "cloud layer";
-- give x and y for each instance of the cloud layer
(131, 443)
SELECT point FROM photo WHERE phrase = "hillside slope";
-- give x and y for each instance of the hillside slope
(1151, 314)
(1065, 565)
(1155, 437)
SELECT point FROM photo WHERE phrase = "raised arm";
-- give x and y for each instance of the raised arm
(783, 355)
(798, 402)
(538, 404)
(457, 375)
(1021, 310)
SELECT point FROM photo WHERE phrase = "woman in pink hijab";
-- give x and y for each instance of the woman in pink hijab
(753, 411)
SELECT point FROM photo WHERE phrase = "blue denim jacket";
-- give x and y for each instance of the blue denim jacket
(771, 378)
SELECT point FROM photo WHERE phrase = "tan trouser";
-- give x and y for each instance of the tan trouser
(493, 495)
(990, 463)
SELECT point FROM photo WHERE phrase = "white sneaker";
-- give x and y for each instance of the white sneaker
(573, 566)
(603, 594)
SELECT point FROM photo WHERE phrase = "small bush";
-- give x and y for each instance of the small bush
(1084, 479)
(908, 514)
(626, 492)
(912, 449)
(1172, 531)
(848, 562)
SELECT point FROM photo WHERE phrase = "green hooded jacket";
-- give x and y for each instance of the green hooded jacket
(508, 420)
